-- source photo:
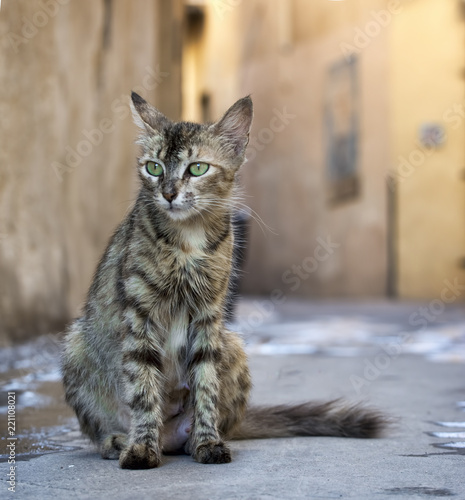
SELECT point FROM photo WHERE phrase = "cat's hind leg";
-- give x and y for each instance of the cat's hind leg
(98, 417)
(235, 384)
(92, 396)
(97, 421)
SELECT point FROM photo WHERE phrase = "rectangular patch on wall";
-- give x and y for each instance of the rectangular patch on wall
(342, 131)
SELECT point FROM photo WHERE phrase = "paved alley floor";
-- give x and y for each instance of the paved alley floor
(377, 353)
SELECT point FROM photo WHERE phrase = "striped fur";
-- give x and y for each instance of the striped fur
(150, 366)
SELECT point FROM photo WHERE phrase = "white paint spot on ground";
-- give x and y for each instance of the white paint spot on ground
(451, 424)
(459, 444)
(448, 435)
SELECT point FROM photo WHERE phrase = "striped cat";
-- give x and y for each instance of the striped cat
(150, 367)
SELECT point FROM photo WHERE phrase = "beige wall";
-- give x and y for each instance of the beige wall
(67, 72)
(405, 240)
(72, 76)
(211, 63)
(280, 51)
(427, 86)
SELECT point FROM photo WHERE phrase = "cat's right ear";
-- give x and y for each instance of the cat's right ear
(146, 116)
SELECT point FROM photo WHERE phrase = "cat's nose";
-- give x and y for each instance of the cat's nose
(170, 196)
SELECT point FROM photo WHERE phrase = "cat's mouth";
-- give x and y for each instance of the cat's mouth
(177, 209)
(178, 212)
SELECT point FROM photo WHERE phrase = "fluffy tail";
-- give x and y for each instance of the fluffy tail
(311, 419)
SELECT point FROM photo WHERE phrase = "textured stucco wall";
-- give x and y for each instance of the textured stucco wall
(66, 145)
(427, 60)
(405, 232)
(280, 51)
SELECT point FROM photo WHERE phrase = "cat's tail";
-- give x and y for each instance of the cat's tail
(334, 418)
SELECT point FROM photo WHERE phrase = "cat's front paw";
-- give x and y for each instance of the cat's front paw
(212, 453)
(139, 456)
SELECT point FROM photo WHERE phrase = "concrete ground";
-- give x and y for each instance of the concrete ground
(419, 390)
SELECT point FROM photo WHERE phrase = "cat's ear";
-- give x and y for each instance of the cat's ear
(235, 125)
(146, 116)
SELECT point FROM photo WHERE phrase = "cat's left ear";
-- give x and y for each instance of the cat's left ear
(146, 116)
(235, 125)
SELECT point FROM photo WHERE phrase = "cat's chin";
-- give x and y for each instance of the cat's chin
(179, 214)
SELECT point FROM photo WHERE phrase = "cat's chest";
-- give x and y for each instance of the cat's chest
(192, 243)
(175, 272)
(191, 266)
(176, 341)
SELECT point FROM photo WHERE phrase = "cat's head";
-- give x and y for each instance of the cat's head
(189, 168)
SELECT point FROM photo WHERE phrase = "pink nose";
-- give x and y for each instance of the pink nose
(169, 196)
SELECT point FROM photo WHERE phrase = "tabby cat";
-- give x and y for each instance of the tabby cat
(151, 367)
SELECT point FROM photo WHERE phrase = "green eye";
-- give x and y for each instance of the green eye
(198, 169)
(154, 168)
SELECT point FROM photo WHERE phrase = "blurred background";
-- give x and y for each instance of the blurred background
(356, 157)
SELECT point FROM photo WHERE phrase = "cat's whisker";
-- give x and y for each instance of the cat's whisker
(198, 212)
(255, 216)
(242, 206)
